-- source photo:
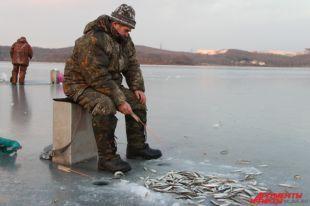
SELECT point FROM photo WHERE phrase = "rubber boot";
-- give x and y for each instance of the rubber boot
(104, 128)
(136, 138)
(22, 74)
(13, 78)
(146, 153)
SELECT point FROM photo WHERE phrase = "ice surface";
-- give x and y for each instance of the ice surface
(265, 116)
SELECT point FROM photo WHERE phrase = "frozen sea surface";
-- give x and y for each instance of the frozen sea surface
(205, 119)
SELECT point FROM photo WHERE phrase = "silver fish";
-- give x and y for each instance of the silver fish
(196, 187)
(287, 185)
(118, 174)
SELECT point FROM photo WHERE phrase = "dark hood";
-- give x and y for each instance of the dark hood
(22, 40)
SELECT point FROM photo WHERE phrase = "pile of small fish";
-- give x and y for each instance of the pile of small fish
(198, 188)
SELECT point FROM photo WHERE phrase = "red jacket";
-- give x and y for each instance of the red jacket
(21, 52)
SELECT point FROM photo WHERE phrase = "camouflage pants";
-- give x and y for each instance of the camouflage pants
(21, 70)
(104, 122)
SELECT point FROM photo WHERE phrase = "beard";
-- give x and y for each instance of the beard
(118, 37)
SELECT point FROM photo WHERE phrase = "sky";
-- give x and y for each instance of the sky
(179, 25)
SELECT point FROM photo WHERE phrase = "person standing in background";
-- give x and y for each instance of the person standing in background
(21, 53)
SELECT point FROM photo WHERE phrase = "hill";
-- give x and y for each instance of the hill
(149, 55)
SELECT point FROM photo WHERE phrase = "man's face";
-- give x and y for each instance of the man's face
(121, 29)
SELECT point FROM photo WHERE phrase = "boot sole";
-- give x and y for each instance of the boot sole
(142, 158)
(113, 171)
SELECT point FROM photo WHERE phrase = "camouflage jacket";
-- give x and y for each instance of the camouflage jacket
(21, 52)
(100, 59)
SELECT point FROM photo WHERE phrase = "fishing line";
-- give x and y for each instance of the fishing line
(146, 128)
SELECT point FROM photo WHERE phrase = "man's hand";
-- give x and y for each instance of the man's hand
(141, 96)
(125, 108)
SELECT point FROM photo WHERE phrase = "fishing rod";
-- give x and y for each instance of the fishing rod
(95, 181)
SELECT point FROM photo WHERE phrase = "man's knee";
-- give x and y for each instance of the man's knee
(96, 103)
(104, 107)
(133, 100)
(23, 69)
(15, 68)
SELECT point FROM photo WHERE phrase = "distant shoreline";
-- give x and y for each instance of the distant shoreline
(154, 56)
(195, 66)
